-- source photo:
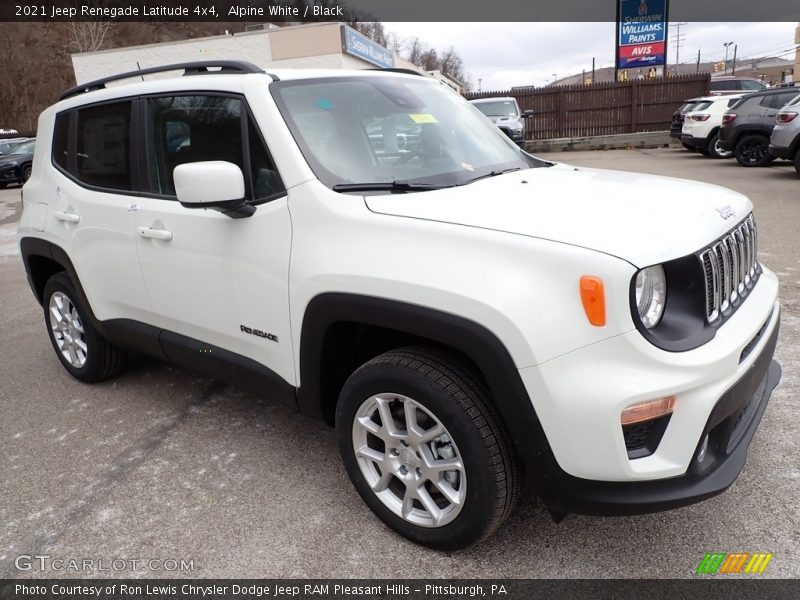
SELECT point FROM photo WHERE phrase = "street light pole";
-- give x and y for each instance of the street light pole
(727, 44)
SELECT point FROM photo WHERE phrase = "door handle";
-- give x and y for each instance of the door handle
(155, 234)
(66, 217)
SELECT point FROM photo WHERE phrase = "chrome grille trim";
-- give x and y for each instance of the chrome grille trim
(731, 269)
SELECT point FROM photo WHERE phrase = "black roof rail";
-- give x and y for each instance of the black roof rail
(190, 68)
(397, 70)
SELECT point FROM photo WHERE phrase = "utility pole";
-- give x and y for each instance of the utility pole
(677, 41)
(479, 84)
(593, 70)
(726, 44)
(733, 66)
(698, 61)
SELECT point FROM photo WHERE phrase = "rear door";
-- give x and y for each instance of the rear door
(93, 190)
(212, 279)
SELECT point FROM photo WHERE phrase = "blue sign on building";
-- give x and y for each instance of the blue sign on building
(359, 45)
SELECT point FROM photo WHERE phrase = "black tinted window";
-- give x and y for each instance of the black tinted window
(103, 146)
(61, 140)
(716, 86)
(187, 129)
(266, 181)
(781, 100)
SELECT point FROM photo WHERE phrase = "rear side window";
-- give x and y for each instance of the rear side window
(701, 106)
(781, 100)
(61, 140)
(103, 148)
(752, 86)
(733, 102)
(716, 86)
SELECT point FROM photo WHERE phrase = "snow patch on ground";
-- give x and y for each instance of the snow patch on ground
(9, 248)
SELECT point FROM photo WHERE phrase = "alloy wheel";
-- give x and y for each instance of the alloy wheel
(68, 332)
(409, 460)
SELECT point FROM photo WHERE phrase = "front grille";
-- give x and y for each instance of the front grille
(731, 269)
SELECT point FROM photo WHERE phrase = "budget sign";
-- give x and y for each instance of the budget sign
(641, 33)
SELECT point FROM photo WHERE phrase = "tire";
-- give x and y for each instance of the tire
(3, 186)
(714, 151)
(752, 151)
(447, 398)
(90, 358)
(704, 151)
(797, 163)
(687, 147)
(26, 173)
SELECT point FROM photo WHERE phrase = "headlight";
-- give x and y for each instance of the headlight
(651, 294)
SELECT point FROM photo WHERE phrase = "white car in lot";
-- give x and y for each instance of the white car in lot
(701, 126)
(461, 312)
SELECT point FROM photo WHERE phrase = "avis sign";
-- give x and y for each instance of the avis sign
(641, 33)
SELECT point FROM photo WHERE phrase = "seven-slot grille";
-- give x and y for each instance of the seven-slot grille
(731, 269)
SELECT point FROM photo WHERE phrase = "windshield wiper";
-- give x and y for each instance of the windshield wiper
(492, 173)
(389, 186)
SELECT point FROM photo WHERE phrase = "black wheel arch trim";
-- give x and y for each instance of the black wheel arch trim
(468, 337)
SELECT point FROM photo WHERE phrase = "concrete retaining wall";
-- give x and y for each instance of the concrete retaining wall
(648, 139)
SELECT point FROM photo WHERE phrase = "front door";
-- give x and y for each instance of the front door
(211, 278)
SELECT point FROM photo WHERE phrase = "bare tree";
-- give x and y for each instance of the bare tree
(87, 36)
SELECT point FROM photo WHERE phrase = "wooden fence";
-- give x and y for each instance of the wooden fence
(603, 108)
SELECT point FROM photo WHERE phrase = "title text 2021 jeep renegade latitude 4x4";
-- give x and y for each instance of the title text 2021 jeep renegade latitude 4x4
(460, 310)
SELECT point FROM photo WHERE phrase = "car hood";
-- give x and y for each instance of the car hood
(644, 219)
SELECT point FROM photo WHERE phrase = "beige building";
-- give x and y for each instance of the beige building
(313, 45)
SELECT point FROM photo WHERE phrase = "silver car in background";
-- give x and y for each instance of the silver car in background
(785, 139)
(505, 114)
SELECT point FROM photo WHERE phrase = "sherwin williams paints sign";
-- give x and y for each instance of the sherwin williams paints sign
(641, 33)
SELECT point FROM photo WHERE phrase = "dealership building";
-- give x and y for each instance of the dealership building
(310, 46)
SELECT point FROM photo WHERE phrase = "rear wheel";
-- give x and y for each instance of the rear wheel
(753, 151)
(80, 348)
(425, 449)
(714, 149)
(26, 173)
(797, 163)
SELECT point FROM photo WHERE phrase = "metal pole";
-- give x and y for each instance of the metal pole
(733, 66)
(698, 61)
(593, 69)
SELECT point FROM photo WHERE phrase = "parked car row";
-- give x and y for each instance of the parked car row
(742, 125)
(15, 162)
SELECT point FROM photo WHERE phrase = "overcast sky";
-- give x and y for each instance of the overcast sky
(509, 54)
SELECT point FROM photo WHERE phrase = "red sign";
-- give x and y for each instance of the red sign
(641, 55)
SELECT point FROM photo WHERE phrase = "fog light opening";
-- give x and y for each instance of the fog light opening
(703, 447)
(647, 411)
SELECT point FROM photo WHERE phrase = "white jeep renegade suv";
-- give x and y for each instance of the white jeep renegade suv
(368, 248)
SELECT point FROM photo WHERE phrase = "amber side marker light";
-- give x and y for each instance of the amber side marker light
(593, 296)
(647, 411)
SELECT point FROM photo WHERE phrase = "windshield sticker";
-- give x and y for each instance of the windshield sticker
(467, 166)
(423, 118)
(324, 104)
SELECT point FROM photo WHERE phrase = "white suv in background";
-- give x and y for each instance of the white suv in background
(460, 311)
(701, 127)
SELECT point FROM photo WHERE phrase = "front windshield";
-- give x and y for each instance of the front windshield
(26, 148)
(384, 129)
(498, 108)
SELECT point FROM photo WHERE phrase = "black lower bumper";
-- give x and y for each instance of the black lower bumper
(730, 429)
(780, 152)
(695, 142)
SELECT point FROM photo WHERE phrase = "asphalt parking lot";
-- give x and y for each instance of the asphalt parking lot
(163, 464)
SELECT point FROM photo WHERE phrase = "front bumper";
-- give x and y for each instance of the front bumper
(9, 174)
(730, 429)
(579, 397)
(780, 152)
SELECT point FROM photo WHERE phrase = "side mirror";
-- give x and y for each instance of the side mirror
(215, 184)
(528, 113)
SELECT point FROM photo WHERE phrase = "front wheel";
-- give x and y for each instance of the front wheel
(80, 348)
(753, 151)
(425, 449)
